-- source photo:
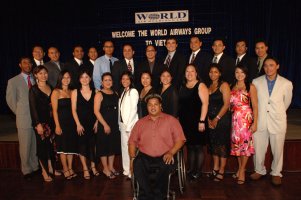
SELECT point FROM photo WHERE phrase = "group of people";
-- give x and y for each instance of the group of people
(105, 106)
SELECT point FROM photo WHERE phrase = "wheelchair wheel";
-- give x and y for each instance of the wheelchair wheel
(181, 171)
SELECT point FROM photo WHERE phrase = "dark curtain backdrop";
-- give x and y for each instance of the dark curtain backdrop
(65, 23)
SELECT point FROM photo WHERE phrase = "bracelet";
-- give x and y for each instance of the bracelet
(202, 121)
(133, 157)
(218, 117)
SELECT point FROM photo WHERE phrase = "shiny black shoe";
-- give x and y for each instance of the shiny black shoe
(28, 177)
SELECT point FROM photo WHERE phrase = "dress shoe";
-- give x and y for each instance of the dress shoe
(276, 180)
(28, 177)
(256, 176)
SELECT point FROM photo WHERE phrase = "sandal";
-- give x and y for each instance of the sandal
(87, 177)
(72, 174)
(46, 177)
(115, 173)
(235, 176)
(94, 171)
(212, 174)
(240, 182)
(110, 176)
(217, 179)
(67, 177)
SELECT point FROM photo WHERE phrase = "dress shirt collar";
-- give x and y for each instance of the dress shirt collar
(218, 56)
(92, 61)
(38, 62)
(79, 62)
(195, 52)
(241, 56)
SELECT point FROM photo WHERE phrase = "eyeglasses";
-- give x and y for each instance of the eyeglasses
(108, 47)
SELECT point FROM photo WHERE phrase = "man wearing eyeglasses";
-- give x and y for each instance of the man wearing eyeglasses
(104, 63)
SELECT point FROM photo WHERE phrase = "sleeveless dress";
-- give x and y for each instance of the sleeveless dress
(108, 144)
(220, 137)
(242, 119)
(142, 107)
(67, 142)
(189, 114)
(85, 112)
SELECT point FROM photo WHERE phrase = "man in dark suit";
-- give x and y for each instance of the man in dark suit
(261, 50)
(152, 64)
(199, 58)
(75, 64)
(243, 59)
(226, 62)
(175, 61)
(17, 100)
(38, 55)
(126, 64)
(92, 55)
(54, 66)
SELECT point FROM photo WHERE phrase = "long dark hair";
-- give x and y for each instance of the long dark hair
(218, 67)
(197, 73)
(60, 78)
(246, 81)
(130, 75)
(82, 71)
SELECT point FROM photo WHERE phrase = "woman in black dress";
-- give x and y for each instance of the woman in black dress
(146, 81)
(40, 111)
(108, 135)
(65, 129)
(169, 94)
(193, 107)
(219, 122)
(82, 100)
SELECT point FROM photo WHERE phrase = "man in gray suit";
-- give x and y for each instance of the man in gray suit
(17, 100)
(54, 66)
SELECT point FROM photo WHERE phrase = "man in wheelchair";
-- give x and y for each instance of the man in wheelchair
(158, 136)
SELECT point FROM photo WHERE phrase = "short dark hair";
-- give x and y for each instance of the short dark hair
(128, 44)
(25, 58)
(39, 68)
(221, 39)
(272, 58)
(196, 36)
(151, 45)
(153, 96)
(77, 45)
(261, 40)
(172, 38)
(242, 40)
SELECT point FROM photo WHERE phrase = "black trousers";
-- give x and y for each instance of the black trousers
(151, 173)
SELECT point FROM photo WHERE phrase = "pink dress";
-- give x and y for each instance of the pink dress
(242, 119)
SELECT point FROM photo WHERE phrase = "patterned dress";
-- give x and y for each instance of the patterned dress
(242, 119)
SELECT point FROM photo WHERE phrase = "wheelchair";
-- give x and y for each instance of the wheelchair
(180, 169)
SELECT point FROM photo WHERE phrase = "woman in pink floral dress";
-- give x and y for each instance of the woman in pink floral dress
(244, 120)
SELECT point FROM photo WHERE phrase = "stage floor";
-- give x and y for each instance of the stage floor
(14, 187)
(8, 131)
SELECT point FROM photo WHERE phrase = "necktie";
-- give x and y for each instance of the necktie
(237, 61)
(192, 58)
(167, 62)
(111, 65)
(130, 66)
(258, 65)
(28, 82)
(215, 59)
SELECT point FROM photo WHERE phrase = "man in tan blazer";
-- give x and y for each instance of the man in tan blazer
(17, 100)
(274, 97)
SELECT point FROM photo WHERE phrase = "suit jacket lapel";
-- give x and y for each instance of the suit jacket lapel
(276, 86)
